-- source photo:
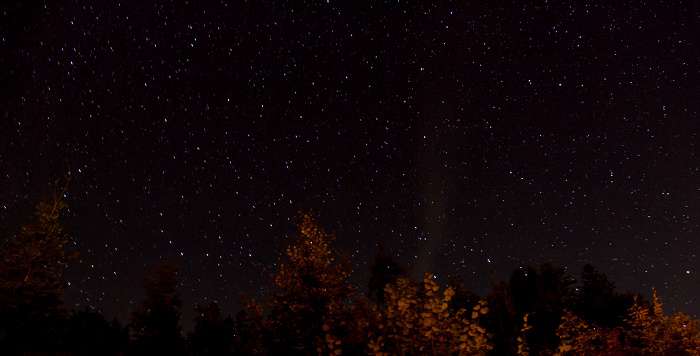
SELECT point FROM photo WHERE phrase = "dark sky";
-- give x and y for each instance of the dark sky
(476, 136)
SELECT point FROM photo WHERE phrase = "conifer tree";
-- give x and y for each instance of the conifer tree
(597, 301)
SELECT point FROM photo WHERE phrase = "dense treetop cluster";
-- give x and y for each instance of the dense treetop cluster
(316, 311)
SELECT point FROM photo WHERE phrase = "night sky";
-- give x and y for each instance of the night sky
(476, 136)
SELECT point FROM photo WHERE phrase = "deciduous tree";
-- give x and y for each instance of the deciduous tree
(416, 320)
(654, 333)
(32, 264)
(314, 284)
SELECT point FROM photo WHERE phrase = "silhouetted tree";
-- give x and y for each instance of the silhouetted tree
(597, 302)
(462, 299)
(156, 327)
(249, 324)
(385, 270)
(118, 336)
(543, 296)
(90, 334)
(314, 285)
(213, 334)
(502, 320)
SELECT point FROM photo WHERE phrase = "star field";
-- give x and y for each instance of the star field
(470, 136)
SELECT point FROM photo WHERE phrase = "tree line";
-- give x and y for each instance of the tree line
(539, 310)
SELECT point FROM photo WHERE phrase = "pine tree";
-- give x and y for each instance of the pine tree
(598, 302)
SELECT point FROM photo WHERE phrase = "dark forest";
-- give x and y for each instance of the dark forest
(539, 310)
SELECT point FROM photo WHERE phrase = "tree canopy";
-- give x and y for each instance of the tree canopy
(315, 309)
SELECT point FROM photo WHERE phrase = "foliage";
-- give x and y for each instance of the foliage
(648, 332)
(249, 325)
(581, 339)
(542, 295)
(415, 320)
(32, 264)
(523, 349)
(597, 302)
(462, 299)
(316, 311)
(314, 285)
(653, 333)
